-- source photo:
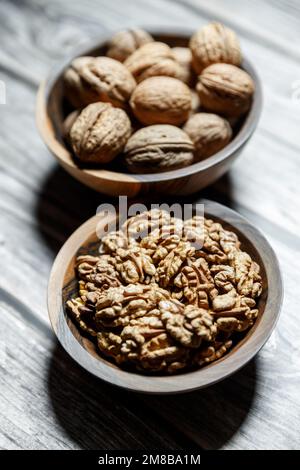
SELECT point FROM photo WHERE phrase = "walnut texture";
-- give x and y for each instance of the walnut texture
(225, 89)
(209, 133)
(214, 43)
(152, 60)
(189, 325)
(156, 84)
(124, 43)
(99, 133)
(92, 79)
(155, 300)
(158, 148)
(161, 100)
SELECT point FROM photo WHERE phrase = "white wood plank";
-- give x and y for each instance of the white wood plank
(43, 395)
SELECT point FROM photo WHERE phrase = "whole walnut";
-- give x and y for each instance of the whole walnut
(99, 133)
(161, 100)
(209, 133)
(153, 59)
(124, 43)
(225, 89)
(158, 148)
(77, 91)
(214, 43)
(92, 79)
(183, 56)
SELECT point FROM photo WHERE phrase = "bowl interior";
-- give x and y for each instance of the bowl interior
(57, 108)
(90, 245)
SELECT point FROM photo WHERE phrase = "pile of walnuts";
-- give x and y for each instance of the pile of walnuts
(166, 294)
(159, 108)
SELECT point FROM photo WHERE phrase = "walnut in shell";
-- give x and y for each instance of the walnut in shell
(215, 43)
(161, 100)
(76, 90)
(158, 148)
(183, 56)
(99, 133)
(92, 79)
(209, 133)
(225, 89)
(152, 60)
(124, 43)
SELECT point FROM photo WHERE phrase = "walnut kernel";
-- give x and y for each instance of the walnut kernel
(160, 304)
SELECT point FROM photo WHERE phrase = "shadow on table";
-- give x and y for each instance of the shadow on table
(96, 415)
(63, 204)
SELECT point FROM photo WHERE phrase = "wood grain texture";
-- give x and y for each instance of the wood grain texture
(46, 401)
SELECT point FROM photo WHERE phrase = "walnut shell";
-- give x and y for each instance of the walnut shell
(99, 133)
(158, 148)
(124, 43)
(161, 100)
(153, 59)
(183, 56)
(92, 79)
(209, 133)
(76, 90)
(225, 89)
(213, 44)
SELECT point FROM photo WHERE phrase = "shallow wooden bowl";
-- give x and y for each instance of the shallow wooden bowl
(63, 285)
(51, 110)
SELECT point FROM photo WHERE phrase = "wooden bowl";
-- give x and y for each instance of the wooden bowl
(51, 111)
(63, 286)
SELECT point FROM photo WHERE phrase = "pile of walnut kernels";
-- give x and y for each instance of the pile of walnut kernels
(176, 298)
(158, 108)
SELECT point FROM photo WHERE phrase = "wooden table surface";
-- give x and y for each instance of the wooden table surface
(46, 400)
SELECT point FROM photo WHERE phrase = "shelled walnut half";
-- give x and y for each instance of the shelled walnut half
(158, 302)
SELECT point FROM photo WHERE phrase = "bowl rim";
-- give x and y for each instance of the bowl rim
(188, 381)
(61, 152)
